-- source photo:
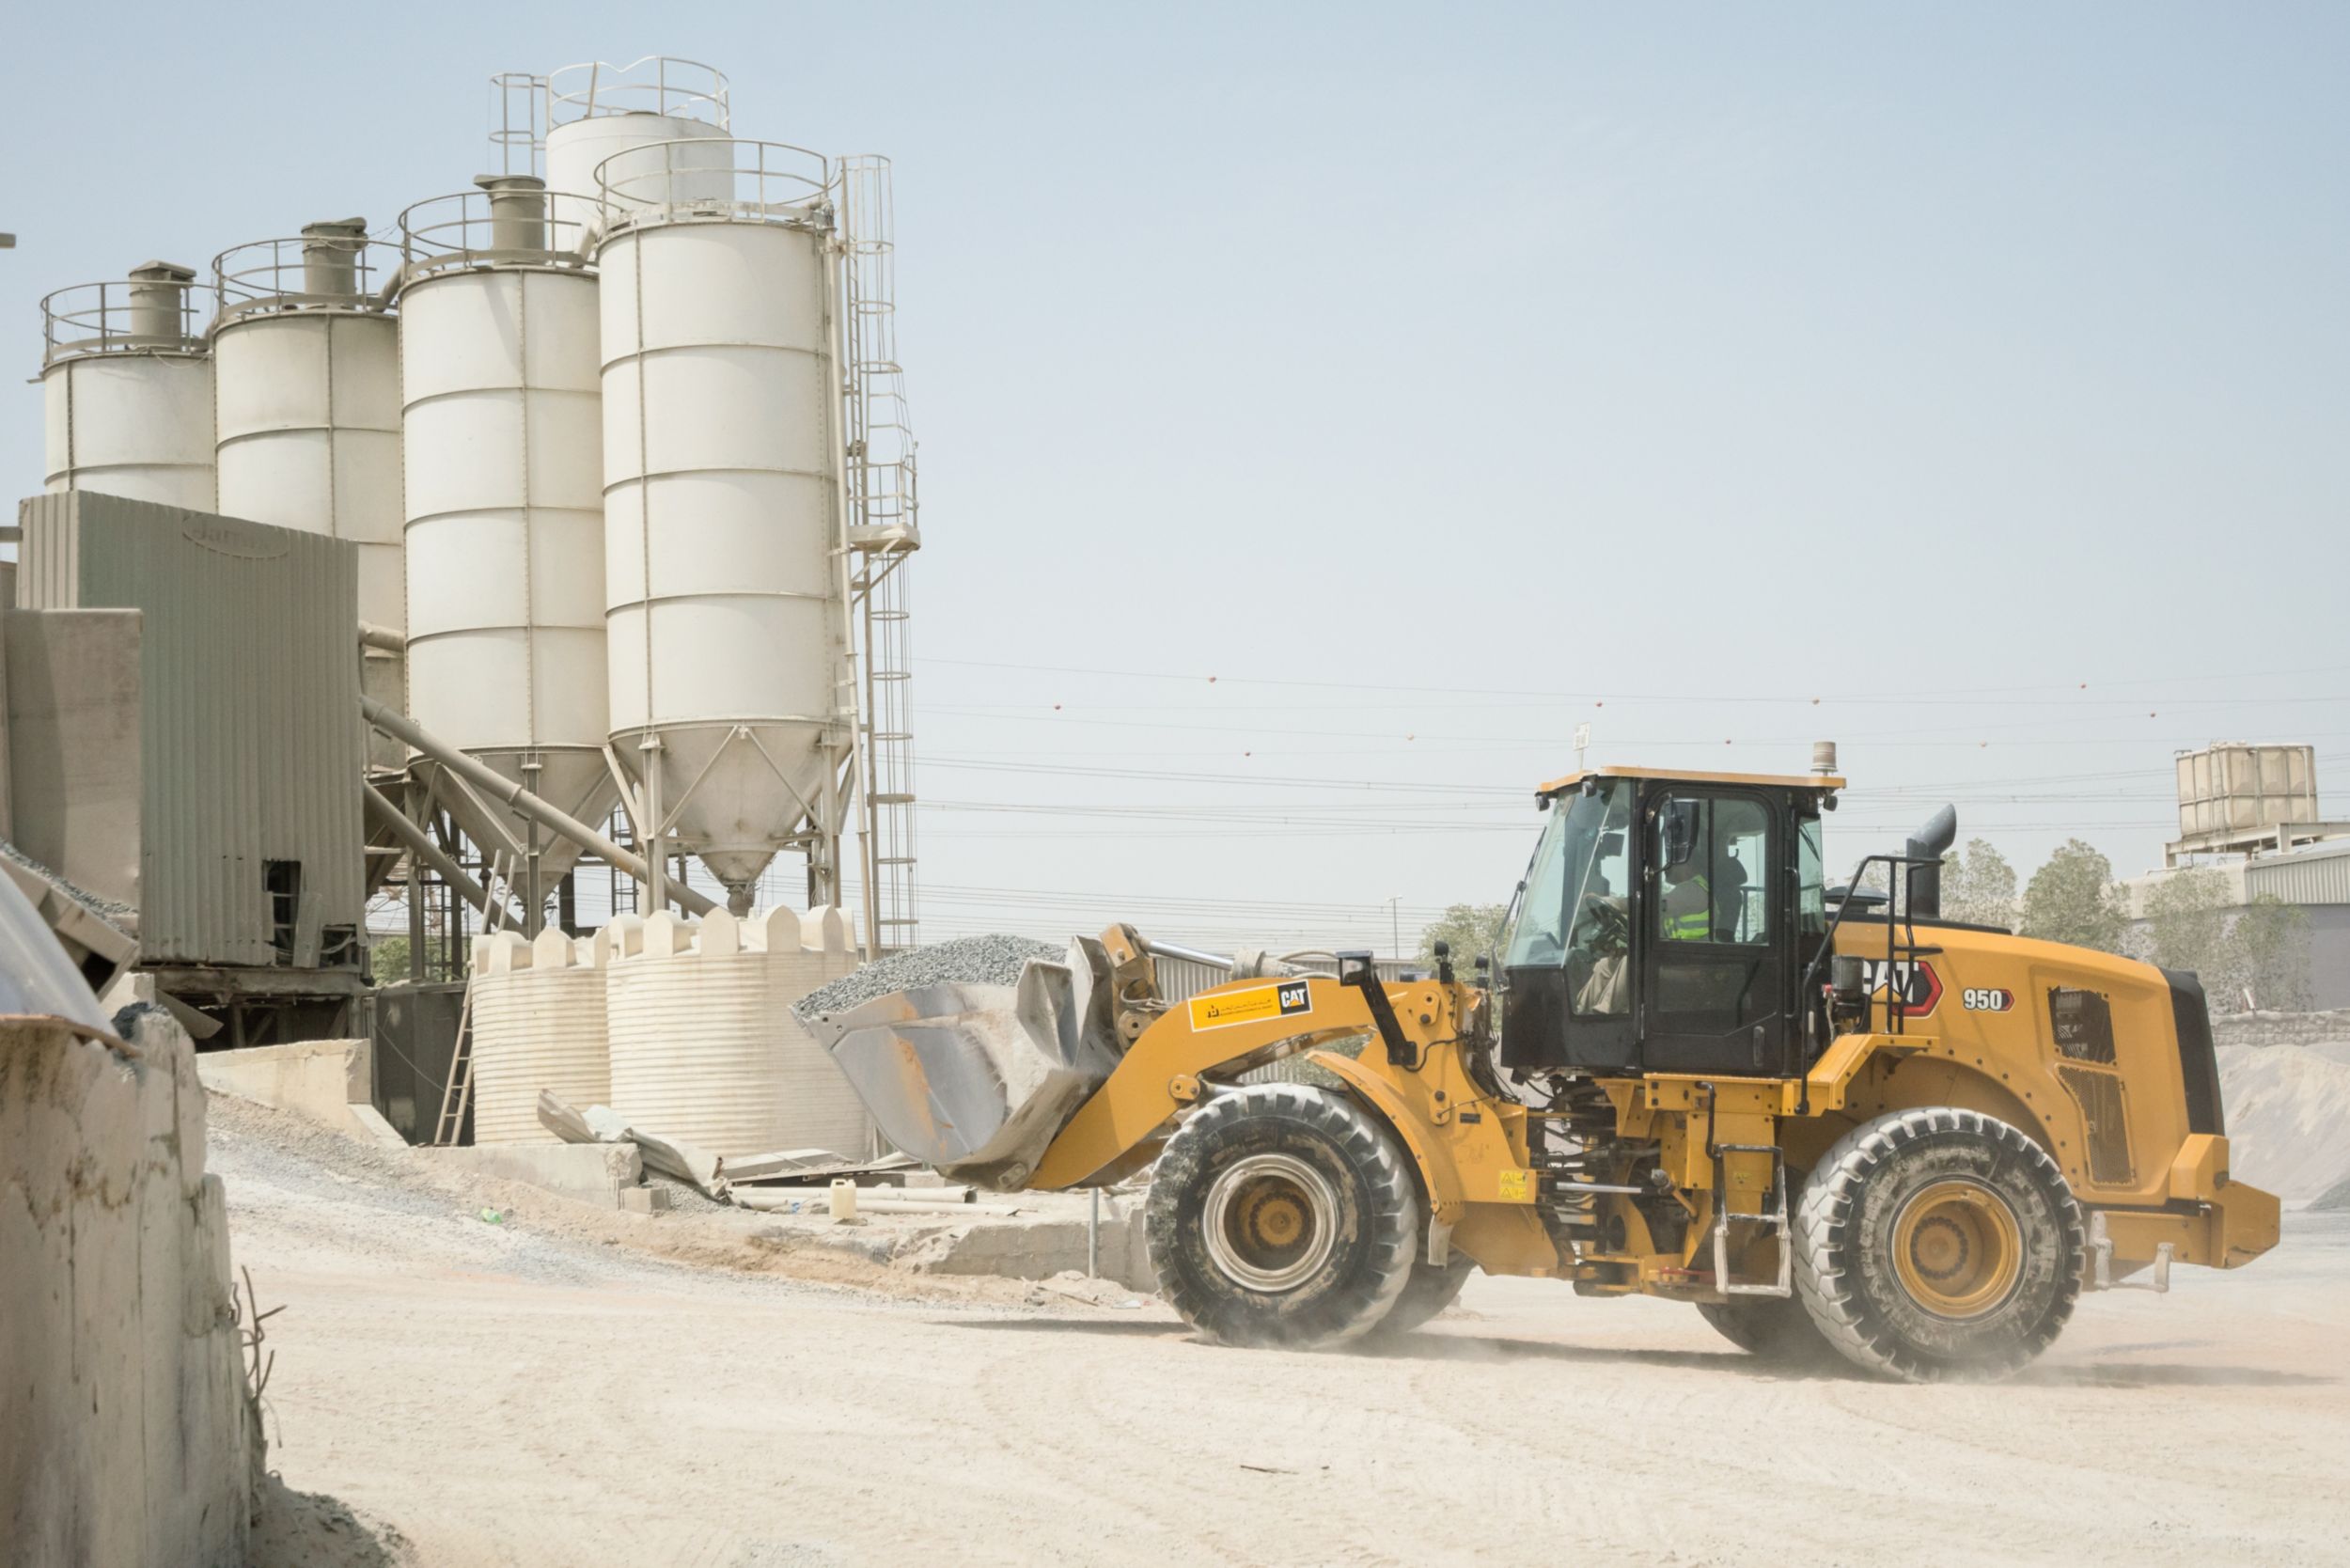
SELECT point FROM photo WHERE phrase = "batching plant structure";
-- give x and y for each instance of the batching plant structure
(501, 438)
(307, 389)
(729, 650)
(126, 387)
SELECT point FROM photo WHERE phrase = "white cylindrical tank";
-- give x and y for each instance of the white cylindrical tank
(501, 433)
(723, 564)
(599, 110)
(307, 380)
(538, 1024)
(127, 389)
(704, 1047)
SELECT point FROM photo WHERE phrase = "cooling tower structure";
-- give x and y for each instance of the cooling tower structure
(501, 436)
(126, 387)
(703, 1046)
(306, 386)
(538, 1024)
(729, 647)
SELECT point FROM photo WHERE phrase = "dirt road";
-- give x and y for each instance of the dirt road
(540, 1392)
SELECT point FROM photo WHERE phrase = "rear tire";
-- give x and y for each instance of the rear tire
(1938, 1242)
(1431, 1288)
(1775, 1327)
(1282, 1215)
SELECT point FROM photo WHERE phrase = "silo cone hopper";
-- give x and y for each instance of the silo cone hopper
(976, 1081)
(572, 779)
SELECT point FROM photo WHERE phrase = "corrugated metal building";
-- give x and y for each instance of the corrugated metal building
(252, 746)
(2312, 878)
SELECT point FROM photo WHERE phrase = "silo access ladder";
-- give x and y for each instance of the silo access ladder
(497, 883)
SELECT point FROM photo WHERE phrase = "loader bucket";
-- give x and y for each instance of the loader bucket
(976, 1081)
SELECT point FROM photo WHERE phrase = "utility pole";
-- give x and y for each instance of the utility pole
(1394, 927)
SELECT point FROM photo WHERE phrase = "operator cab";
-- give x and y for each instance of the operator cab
(1666, 924)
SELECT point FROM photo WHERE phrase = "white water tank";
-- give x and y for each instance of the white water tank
(538, 1024)
(704, 1047)
(501, 432)
(597, 110)
(724, 568)
(127, 389)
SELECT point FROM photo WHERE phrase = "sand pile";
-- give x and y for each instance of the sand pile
(2288, 1110)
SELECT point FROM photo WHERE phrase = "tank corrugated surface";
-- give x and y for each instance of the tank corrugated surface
(505, 530)
(703, 1046)
(134, 425)
(721, 456)
(308, 416)
(538, 1024)
(249, 724)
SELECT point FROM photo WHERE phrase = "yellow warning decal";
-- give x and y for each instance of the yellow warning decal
(1221, 1010)
(1515, 1186)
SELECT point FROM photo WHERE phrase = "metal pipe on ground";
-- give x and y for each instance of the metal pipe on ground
(815, 1200)
(495, 785)
(420, 843)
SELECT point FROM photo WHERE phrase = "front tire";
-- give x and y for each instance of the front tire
(1282, 1215)
(1938, 1242)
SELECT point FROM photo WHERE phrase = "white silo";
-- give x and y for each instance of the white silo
(127, 389)
(306, 386)
(725, 559)
(597, 111)
(501, 439)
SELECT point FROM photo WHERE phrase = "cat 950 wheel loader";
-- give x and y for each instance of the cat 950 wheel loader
(1824, 1121)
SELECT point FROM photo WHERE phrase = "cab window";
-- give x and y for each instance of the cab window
(1715, 870)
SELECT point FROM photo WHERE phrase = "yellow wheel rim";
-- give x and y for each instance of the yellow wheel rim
(1957, 1248)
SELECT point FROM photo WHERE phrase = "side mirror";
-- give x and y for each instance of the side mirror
(1678, 833)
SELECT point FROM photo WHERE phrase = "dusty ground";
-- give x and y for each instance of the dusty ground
(548, 1392)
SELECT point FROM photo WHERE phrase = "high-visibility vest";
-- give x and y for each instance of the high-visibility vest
(1695, 925)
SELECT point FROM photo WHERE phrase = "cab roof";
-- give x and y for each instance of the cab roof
(1761, 781)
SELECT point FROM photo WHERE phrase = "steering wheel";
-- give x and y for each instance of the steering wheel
(1607, 921)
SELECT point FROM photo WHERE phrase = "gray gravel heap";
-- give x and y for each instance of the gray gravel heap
(116, 915)
(968, 961)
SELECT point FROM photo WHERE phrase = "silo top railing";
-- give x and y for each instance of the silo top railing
(159, 316)
(656, 85)
(313, 272)
(493, 228)
(715, 178)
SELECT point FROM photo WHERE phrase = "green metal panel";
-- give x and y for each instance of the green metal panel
(251, 741)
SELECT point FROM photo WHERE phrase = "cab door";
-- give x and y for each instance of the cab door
(1715, 897)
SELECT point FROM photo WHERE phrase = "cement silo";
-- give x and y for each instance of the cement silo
(127, 387)
(597, 111)
(307, 386)
(501, 439)
(724, 556)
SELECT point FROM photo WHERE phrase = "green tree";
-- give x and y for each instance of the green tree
(387, 959)
(1978, 887)
(2072, 899)
(1470, 929)
(2186, 924)
(2268, 948)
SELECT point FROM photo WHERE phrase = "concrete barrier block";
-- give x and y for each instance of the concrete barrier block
(598, 1173)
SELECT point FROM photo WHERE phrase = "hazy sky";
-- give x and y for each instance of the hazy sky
(1968, 387)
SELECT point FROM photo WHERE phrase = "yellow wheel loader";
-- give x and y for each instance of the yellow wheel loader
(1825, 1121)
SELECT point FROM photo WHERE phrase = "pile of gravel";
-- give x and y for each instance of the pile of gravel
(119, 915)
(969, 961)
(2333, 1200)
